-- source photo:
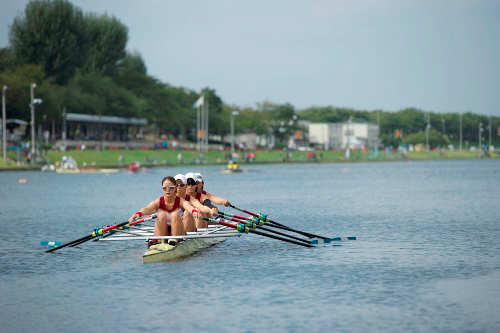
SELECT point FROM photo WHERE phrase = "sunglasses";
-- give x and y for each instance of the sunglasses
(191, 184)
(180, 185)
(166, 188)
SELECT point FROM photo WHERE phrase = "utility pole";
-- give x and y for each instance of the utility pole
(4, 126)
(206, 127)
(32, 105)
(64, 126)
(428, 116)
(489, 129)
(460, 132)
(233, 114)
(480, 148)
(198, 128)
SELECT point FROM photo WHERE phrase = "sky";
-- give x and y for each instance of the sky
(436, 55)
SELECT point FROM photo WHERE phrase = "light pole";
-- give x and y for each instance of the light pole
(4, 126)
(480, 130)
(460, 131)
(32, 105)
(233, 114)
(427, 128)
(444, 130)
(489, 129)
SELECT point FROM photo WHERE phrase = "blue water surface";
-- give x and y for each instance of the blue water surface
(426, 258)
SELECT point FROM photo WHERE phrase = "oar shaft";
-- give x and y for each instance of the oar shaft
(243, 210)
(267, 235)
(307, 234)
(240, 219)
(79, 240)
(97, 233)
(281, 238)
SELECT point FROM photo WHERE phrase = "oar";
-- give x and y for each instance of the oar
(284, 227)
(243, 228)
(251, 224)
(47, 243)
(99, 232)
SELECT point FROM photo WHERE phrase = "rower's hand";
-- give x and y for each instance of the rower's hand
(196, 214)
(135, 216)
(213, 212)
(226, 203)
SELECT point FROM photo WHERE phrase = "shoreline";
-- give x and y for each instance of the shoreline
(38, 167)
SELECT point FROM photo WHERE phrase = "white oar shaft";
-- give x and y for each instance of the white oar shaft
(217, 235)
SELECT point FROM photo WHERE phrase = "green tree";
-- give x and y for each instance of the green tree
(435, 138)
(7, 61)
(18, 96)
(59, 47)
(106, 41)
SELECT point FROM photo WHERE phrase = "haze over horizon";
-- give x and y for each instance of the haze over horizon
(440, 56)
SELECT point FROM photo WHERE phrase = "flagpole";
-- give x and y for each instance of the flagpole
(206, 133)
(202, 127)
(198, 128)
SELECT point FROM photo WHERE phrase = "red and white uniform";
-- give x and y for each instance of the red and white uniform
(175, 206)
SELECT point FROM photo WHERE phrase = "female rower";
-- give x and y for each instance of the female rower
(204, 197)
(170, 214)
(187, 217)
(209, 196)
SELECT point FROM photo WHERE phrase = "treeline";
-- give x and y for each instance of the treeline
(80, 61)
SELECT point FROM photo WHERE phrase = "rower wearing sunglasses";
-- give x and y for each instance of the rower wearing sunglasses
(195, 189)
(169, 218)
(187, 217)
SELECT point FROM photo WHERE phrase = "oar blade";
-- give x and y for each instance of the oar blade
(330, 240)
(48, 243)
(343, 238)
(320, 241)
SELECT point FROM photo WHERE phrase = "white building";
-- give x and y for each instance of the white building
(341, 135)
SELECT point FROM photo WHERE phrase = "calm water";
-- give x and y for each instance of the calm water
(427, 256)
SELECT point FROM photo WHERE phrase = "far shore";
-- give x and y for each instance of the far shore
(173, 158)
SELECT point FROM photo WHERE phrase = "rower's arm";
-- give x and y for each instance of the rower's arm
(199, 206)
(151, 208)
(217, 200)
(213, 210)
(188, 207)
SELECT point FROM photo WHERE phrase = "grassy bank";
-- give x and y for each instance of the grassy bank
(122, 158)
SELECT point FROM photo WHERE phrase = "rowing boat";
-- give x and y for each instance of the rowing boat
(224, 225)
(188, 244)
(166, 252)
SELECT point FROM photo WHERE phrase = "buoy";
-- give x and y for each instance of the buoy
(23, 180)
